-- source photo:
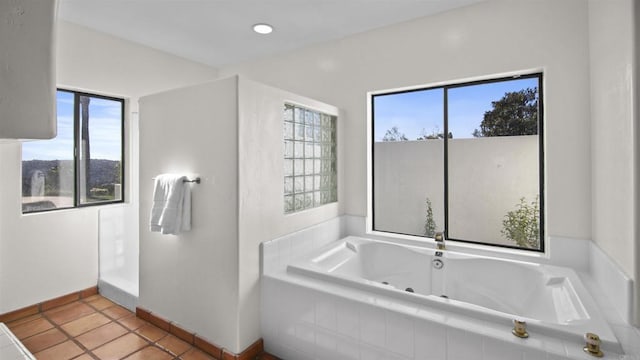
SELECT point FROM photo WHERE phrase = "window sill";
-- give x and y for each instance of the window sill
(464, 247)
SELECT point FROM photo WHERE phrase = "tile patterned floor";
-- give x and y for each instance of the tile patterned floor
(96, 328)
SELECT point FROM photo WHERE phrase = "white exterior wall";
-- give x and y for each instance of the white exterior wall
(406, 173)
(46, 255)
(487, 178)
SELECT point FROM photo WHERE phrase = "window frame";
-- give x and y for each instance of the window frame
(445, 87)
(76, 152)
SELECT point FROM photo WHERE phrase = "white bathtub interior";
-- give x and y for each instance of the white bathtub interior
(118, 249)
(551, 299)
(292, 331)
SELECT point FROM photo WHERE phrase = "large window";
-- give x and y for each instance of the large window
(83, 164)
(463, 158)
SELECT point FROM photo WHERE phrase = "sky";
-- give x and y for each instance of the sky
(417, 112)
(104, 132)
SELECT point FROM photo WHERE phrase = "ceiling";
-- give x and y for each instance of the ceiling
(219, 32)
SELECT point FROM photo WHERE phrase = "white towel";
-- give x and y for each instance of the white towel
(171, 209)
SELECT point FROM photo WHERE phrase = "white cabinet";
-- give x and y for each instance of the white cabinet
(27, 69)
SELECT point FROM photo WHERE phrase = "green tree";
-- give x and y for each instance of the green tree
(522, 224)
(394, 134)
(516, 113)
(435, 135)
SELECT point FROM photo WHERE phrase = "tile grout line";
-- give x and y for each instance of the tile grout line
(129, 331)
(85, 350)
(90, 352)
(113, 319)
(69, 337)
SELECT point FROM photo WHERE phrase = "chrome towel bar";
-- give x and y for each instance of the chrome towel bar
(196, 180)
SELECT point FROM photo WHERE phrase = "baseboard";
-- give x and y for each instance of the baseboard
(48, 304)
(220, 353)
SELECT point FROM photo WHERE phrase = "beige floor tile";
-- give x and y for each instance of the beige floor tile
(85, 323)
(66, 313)
(101, 304)
(174, 345)
(84, 357)
(23, 320)
(132, 322)
(150, 353)
(93, 298)
(117, 312)
(101, 335)
(64, 351)
(120, 347)
(31, 328)
(151, 333)
(195, 354)
(44, 340)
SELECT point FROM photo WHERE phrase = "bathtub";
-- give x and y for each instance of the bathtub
(552, 300)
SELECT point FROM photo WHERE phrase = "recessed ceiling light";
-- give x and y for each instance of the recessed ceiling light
(262, 28)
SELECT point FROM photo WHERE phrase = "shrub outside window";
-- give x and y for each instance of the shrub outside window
(83, 164)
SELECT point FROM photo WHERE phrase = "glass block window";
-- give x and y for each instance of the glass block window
(310, 160)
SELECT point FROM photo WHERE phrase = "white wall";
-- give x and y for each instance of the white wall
(614, 130)
(636, 110)
(28, 69)
(495, 37)
(46, 255)
(261, 191)
(192, 278)
(492, 37)
(229, 133)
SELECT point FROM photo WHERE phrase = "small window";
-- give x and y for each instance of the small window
(83, 164)
(466, 159)
(310, 161)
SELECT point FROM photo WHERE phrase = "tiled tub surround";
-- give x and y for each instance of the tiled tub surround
(552, 300)
(305, 318)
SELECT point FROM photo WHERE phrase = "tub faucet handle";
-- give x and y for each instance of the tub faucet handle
(439, 238)
(520, 329)
(592, 345)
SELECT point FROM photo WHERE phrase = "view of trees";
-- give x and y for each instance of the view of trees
(394, 134)
(516, 113)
